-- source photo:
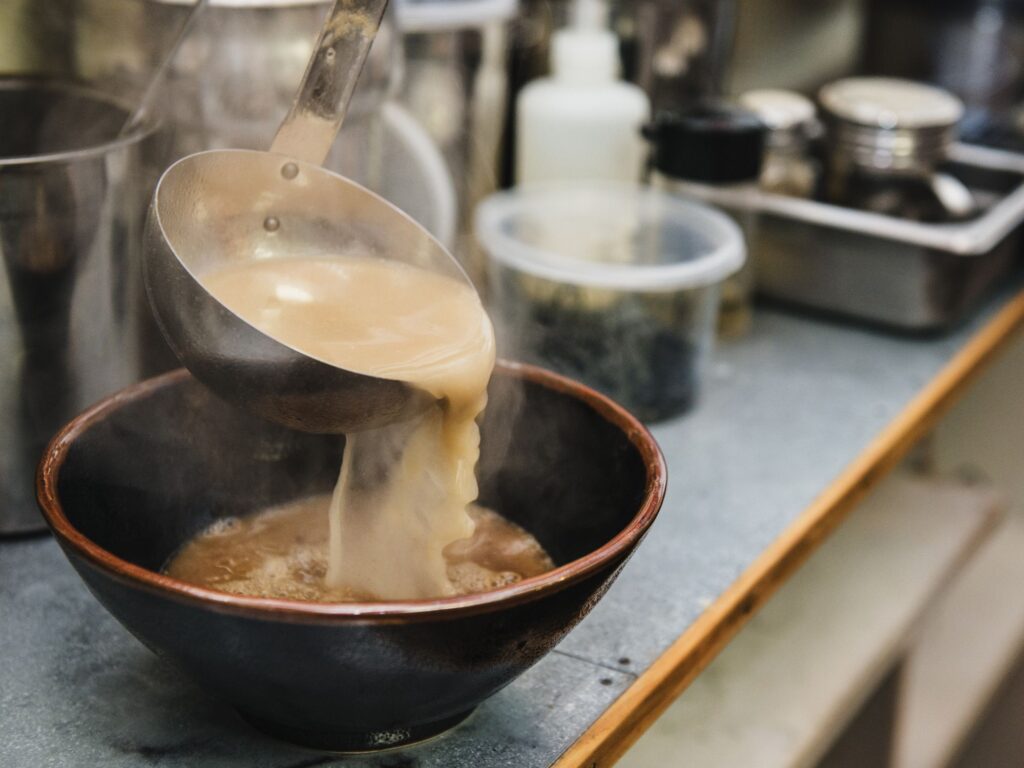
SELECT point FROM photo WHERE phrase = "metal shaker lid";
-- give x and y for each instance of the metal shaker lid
(789, 116)
(889, 125)
(778, 109)
(890, 103)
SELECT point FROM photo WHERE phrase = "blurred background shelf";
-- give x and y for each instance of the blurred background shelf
(796, 676)
(968, 647)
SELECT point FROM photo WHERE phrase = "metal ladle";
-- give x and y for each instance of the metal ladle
(225, 206)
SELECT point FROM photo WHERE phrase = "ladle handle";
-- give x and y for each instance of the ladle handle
(309, 130)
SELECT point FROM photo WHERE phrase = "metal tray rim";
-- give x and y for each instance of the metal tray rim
(968, 239)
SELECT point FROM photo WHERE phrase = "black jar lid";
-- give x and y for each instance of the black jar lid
(711, 143)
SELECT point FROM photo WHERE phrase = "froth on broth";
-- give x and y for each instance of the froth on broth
(283, 552)
(403, 491)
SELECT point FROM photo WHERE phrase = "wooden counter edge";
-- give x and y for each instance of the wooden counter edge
(608, 738)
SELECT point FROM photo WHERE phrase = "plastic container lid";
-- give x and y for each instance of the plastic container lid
(606, 235)
(715, 144)
(585, 55)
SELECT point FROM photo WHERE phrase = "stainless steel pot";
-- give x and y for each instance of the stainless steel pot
(73, 323)
(235, 77)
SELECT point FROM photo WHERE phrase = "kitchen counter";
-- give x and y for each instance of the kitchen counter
(798, 420)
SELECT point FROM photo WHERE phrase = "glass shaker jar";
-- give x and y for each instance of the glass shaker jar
(790, 118)
(721, 145)
(886, 142)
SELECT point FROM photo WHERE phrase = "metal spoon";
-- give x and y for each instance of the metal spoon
(225, 206)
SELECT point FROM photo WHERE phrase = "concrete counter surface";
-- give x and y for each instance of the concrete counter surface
(797, 421)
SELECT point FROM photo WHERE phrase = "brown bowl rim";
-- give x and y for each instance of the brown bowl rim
(281, 609)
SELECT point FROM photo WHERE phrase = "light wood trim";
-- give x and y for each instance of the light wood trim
(642, 703)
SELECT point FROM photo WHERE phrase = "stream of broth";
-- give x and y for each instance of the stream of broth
(404, 491)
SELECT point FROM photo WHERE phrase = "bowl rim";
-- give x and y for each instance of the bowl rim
(301, 611)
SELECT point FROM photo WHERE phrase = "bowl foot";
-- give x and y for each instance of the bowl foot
(348, 742)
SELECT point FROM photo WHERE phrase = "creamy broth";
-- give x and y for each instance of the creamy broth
(283, 552)
(404, 490)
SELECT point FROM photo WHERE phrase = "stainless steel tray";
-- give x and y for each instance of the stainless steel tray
(904, 274)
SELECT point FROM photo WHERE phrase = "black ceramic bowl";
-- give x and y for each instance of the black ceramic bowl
(129, 481)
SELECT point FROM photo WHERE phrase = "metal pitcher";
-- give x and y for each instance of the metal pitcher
(73, 323)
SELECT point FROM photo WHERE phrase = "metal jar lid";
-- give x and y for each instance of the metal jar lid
(889, 124)
(788, 115)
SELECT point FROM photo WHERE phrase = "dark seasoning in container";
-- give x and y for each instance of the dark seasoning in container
(607, 339)
(614, 284)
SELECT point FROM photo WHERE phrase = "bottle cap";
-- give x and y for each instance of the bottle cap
(590, 55)
(712, 143)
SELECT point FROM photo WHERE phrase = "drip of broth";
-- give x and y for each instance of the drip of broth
(403, 490)
(283, 552)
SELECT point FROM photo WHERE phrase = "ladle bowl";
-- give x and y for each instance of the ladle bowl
(127, 483)
(220, 207)
(215, 208)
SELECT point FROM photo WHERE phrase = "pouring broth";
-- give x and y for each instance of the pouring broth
(401, 510)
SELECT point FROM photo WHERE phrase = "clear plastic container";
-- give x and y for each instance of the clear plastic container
(235, 78)
(615, 285)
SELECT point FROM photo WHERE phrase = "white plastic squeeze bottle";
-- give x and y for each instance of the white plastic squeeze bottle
(582, 122)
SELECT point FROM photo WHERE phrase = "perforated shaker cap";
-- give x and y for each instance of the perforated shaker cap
(890, 103)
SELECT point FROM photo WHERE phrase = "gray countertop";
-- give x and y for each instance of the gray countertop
(784, 411)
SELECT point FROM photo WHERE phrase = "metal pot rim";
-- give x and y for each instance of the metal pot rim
(144, 130)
